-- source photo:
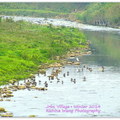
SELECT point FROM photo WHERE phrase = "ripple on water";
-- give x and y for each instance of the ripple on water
(105, 85)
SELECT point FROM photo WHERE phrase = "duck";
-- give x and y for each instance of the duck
(71, 79)
(34, 83)
(74, 81)
(67, 73)
(78, 70)
(103, 68)
(84, 78)
(39, 82)
(46, 84)
(90, 69)
(64, 74)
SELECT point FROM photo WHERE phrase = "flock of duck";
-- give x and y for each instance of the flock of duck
(54, 76)
(32, 83)
(55, 73)
(35, 81)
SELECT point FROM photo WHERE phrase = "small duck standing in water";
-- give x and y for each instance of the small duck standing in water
(71, 80)
(103, 68)
(46, 84)
(58, 80)
(74, 81)
(39, 82)
(64, 75)
(67, 73)
(84, 78)
(78, 70)
(90, 69)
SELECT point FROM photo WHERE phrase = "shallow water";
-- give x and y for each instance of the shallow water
(100, 88)
(62, 22)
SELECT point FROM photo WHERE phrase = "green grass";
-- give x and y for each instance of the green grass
(63, 7)
(90, 13)
(24, 46)
(109, 12)
(30, 12)
(40, 9)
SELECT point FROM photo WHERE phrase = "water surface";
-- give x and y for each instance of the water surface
(100, 88)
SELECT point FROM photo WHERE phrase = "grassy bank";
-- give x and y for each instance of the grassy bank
(103, 14)
(24, 46)
(106, 14)
(40, 9)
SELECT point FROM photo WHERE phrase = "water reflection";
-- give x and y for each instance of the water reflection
(101, 88)
(105, 47)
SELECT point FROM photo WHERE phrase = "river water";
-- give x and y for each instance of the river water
(101, 90)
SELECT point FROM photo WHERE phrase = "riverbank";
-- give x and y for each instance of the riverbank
(105, 47)
(87, 13)
(25, 46)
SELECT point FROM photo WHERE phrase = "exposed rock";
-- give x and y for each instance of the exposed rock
(14, 89)
(7, 100)
(8, 95)
(12, 81)
(32, 87)
(2, 109)
(44, 66)
(21, 87)
(32, 116)
(32, 76)
(7, 115)
(88, 52)
(55, 65)
(43, 89)
(51, 77)
(42, 71)
(13, 86)
(69, 62)
(8, 92)
(76, 63)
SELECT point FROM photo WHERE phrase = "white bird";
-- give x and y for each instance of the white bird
(77, 59)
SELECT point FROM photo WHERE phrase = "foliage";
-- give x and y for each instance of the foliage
(107, 13)
(40, 9)
(24, 46)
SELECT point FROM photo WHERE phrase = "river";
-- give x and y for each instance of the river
(100, 91)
